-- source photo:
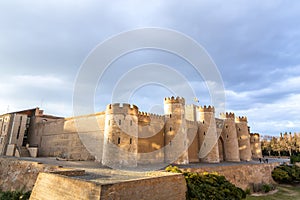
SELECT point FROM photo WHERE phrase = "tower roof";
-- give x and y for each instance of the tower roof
(227, 115)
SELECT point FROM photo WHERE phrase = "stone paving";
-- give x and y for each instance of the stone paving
(98, 173)
(102, 174)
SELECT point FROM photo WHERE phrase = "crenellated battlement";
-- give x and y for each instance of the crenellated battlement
(254, 135)
(207, 108)
(119, 108)
(172, 99)
(241, 119)
(122, 136)
(142, 115)
(227, 115)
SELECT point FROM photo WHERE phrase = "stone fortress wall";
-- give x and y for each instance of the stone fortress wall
(123, 135)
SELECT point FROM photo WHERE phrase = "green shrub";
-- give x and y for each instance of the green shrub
(248, 191)
(209, 186)
(294, 158)
(266, 188)
(14, 195)
(261, 187)
(286, 174)
(173, 169)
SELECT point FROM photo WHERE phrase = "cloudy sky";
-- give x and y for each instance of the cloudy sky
(254, 44)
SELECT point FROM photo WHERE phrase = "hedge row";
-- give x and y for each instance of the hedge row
(286, 174)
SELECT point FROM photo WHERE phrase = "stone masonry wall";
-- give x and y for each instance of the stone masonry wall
(69, 188)
(167, 187)
(72, 138)
(172, 187)
(242, 175)
(21, 175)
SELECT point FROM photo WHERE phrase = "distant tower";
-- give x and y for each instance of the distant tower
(191, 112)
(243, 138)
(209, 151)
(175, 131)
(229, 135)
(255, 145)
(120, 136)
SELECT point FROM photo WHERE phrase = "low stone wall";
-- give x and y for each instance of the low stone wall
(171, 187)
(52, 186)
(242, 176)
(21, 175)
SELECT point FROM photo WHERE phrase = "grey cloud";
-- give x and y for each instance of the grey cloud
(255, 44)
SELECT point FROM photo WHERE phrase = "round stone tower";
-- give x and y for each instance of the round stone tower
(209, 151)
(229, 136)
(243, 138)
(176, 149)
(120, 136)
(255, 145)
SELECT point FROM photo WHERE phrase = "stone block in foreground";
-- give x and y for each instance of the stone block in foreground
(53, 186)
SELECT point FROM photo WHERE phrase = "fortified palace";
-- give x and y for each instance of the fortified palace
(122, 135)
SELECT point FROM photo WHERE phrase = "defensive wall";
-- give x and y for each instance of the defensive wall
(242, 175)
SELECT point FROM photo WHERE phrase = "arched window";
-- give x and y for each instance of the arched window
(130, 141)
(119, 122)
(170, 128)
(170, 115)
(119, 140)
(130, 122)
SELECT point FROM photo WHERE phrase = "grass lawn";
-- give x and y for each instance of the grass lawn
(285, 192)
